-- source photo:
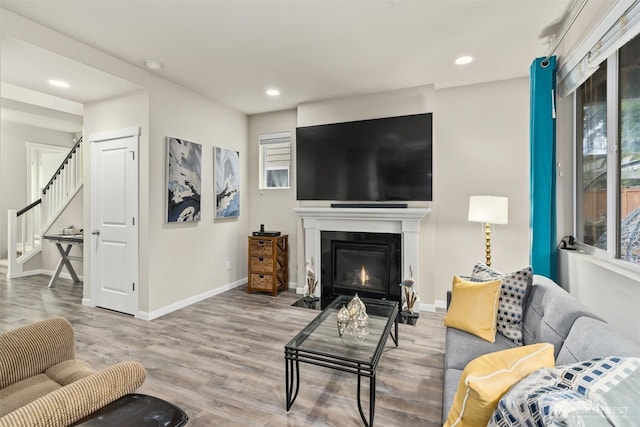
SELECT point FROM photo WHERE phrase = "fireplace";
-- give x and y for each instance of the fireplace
(368, 264)
(405, 223)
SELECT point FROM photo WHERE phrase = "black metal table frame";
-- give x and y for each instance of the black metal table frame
(293, 358)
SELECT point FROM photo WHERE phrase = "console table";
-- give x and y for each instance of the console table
(65, 259)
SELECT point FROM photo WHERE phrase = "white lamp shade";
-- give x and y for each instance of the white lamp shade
(491, 209)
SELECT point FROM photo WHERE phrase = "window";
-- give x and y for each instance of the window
(275, 160)
(629, 107)
(608, 155)
(591, 132)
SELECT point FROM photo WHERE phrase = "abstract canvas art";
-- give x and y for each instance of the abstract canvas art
(184, 171)
(227, 182)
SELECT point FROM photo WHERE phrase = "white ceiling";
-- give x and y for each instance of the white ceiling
(233, 50)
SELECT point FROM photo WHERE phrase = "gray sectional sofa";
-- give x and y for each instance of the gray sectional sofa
(550, 315)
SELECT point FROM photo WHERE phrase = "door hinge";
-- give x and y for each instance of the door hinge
(133, 286)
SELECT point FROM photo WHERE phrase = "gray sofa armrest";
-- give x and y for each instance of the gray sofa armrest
(79, 399)
(590, 338)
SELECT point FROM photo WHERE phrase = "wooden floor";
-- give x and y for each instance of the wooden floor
(222, 359)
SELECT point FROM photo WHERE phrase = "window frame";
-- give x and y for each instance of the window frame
(613, 250)
(264, 141)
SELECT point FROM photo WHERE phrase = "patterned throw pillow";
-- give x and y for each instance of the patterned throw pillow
(598, 392)
(515, 287)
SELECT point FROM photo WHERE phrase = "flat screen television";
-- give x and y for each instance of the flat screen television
(378, 160)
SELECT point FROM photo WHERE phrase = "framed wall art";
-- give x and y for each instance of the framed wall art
(184, 177)
(226, 171)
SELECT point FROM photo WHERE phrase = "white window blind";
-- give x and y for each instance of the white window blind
(620, 25)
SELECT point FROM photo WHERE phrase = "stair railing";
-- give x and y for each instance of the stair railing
(62, 185)
(21, 235)
(27, 226)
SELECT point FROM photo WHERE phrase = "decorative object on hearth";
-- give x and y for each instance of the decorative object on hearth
(488, 210)
(354, 319)
(409, 313)
(312, 283)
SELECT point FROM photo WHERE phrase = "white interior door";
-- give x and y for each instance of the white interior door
(114, 220)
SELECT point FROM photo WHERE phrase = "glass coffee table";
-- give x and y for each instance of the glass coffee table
(319, 344)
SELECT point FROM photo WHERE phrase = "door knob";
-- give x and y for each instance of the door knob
(96, 232)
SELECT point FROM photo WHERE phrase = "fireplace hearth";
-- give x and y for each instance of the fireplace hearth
(368, 264)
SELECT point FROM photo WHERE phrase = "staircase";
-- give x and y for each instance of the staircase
(28, 225)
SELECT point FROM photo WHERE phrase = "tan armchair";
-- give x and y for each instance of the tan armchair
(43, 385)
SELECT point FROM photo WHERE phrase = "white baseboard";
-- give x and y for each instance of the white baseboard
(144, 315)
(427, 307)
(41, 271)
(437, 304)
(62, 275)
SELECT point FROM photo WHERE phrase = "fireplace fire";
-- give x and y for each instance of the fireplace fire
(363, 276)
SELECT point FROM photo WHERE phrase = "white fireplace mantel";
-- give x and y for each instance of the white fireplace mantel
(403, 221)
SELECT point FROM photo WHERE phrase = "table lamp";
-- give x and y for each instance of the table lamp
(488, 210)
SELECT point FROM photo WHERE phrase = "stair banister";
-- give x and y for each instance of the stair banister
(40, 215)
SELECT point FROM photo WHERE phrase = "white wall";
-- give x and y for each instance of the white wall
(611, 290)
(178, 262)
(124, 112)
(481, 138)
(274, 207)
(400, 102)
(188, 260)
(13, 166)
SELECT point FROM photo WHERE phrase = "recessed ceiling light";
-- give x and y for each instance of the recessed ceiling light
(153, 64)
(58, 83)
(463, 60)
(273, 92)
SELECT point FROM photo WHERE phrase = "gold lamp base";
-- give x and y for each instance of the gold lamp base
(487, 237)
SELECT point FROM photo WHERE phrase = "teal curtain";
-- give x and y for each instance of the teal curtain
(543, 170)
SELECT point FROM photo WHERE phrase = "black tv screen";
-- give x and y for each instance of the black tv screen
(387, 159)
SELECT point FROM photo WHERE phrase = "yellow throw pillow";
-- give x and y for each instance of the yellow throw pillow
(487, 378)
(474, 307)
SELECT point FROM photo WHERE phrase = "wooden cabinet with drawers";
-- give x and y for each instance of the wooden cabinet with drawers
(268, 264)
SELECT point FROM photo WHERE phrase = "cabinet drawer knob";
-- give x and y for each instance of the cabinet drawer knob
(261, 276)
(261, 259)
